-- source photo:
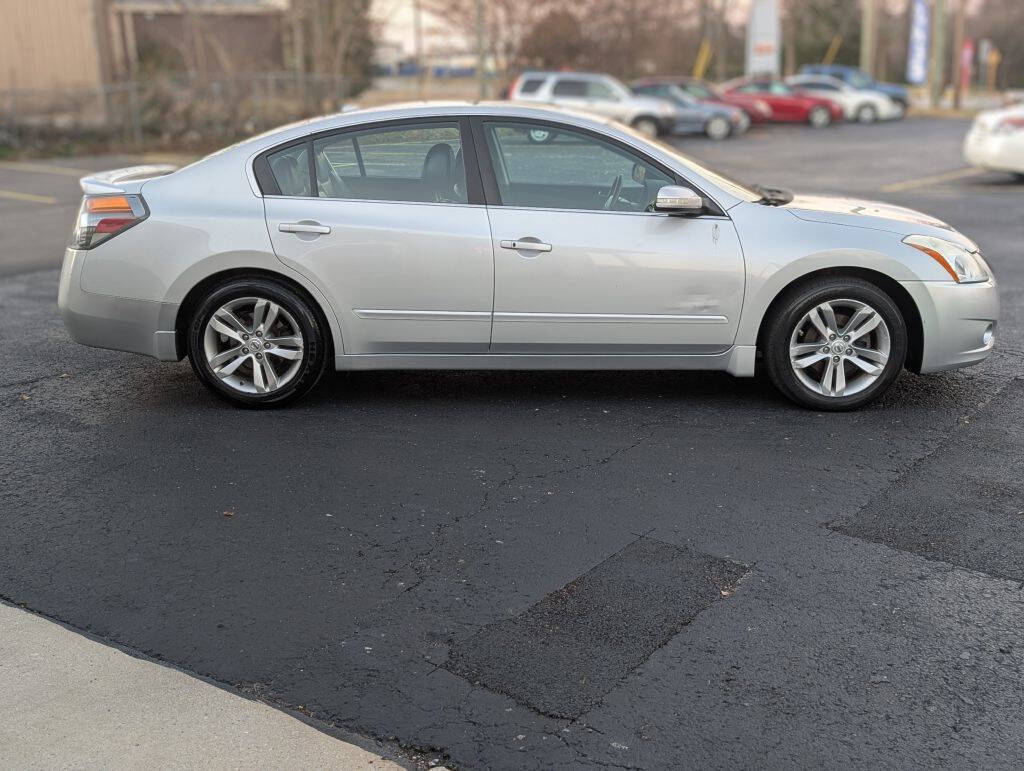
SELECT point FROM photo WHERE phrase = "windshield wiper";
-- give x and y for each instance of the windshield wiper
(772, 196)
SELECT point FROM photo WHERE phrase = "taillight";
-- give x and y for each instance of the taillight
(101, 217)
(1010, 125)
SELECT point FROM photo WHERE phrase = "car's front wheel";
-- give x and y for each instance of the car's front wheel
(835, 343)
(257, 342)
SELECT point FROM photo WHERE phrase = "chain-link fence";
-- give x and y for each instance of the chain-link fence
(179, 110)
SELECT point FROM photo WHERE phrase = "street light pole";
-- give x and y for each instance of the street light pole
(480, 53)
(868, 36)
(936, 70)
(958, 52)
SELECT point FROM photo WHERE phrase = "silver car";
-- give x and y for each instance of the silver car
(442, 237)
(600, 95)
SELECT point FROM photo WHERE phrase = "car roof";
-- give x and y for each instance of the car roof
(562, 73)
(431, 109)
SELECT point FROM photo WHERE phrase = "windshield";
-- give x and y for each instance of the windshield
(700, 91)
(729, 185)
(857, 80)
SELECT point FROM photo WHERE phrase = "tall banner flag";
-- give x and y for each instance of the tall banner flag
(763, 36)
(917, 48)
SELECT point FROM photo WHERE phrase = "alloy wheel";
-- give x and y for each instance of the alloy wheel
(819, 117)
(840, 347)
(253, 345)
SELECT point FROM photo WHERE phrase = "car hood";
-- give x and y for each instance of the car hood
(875, 215)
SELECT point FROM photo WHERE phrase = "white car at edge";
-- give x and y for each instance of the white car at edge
(996, 141)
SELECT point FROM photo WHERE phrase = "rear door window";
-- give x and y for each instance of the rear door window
(407, 162)
(570, 87)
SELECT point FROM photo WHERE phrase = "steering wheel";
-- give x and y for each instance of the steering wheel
(614, 195)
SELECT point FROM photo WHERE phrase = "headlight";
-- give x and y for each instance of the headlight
(964, 266)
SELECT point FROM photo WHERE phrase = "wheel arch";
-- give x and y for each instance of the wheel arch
(908, 308)
(194, 297)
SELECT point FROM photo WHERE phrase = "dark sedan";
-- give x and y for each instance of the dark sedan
(716, 120)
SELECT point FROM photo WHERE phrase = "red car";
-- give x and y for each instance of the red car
(787, 104)
(756, 108)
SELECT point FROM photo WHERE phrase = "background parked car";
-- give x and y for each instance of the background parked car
(858, 105)
(788, 106)
(996, 141)
(861, 80)
(599, 94)
(757, 110)
(718, 121)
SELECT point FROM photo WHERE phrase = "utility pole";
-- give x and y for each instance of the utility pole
(868, 36)
(936, 69)
(481, 54)
(960, 12)
(417, 27)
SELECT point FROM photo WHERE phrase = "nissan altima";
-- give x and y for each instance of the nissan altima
(441, 236)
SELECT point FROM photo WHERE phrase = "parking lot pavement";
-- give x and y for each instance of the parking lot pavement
(398, 553)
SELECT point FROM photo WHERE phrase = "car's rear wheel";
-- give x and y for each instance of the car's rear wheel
(717, 128)
(540, 136)
(835, 343)
(819, 117)
(257, 342)
(647, 126)
(867, 113)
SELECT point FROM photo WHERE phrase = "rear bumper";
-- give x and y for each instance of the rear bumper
(960, 322)
(118, 323)
(995, 152)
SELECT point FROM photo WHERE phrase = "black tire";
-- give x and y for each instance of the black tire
(647, 126)
(315, 343)
(787, 314)
(867, 113)
(819, 117)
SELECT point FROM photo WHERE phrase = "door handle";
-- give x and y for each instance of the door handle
(526, 246)
(303, 227)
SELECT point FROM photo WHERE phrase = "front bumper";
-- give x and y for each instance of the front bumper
(118, 323)
(997, 152)
(959, 321)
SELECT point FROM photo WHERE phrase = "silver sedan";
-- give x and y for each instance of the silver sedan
(444, 236)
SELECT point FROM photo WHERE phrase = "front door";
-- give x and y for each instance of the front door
(584, 266)
(386, 227)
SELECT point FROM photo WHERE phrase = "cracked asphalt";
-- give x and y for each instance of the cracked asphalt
(333, 557)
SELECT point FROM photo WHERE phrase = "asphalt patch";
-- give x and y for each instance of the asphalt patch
(964, 503)
(562, 655)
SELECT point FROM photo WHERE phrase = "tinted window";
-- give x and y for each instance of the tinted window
(570, 88)
(598, 90)
(399, 163)
(818, 86)
(291, 170)
(570, 170)
(530, 85)
(698, 90)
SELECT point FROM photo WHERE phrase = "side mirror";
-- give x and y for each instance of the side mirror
(678, 200)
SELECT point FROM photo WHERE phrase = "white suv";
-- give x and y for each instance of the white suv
(599, 94)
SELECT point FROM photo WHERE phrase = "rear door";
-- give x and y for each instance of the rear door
(388, 220)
